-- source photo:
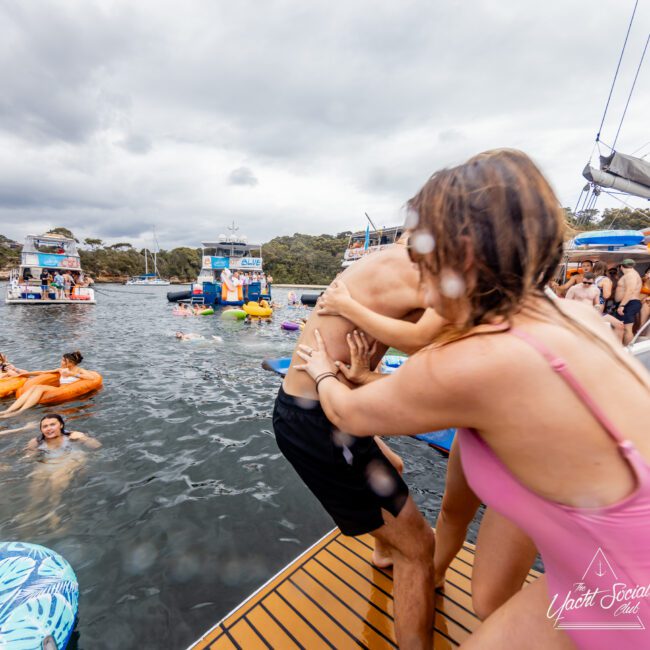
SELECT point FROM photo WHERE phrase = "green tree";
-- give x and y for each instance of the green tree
(93, 243)
(60, 230)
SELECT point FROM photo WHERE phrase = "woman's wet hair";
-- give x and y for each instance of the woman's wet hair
(600, 268)
(52, 416)
(497, 226)
(74, 357)
(3, 358)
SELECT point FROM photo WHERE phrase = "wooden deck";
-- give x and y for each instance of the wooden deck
(333, 597)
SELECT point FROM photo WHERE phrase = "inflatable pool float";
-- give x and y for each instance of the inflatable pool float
(291, 326)
(255, 309)
(207, 312)
(440, 440)
(9, 385)
(391, 362)
(280, 366)
(39, 596)
(59, 393)
(610, 238)
(233, 314)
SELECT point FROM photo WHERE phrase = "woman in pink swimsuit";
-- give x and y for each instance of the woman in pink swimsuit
(553, 449)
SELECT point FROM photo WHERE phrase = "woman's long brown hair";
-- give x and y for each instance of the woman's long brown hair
(497, 215)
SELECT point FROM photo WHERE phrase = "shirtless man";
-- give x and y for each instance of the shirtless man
(357, 485)
(585, 291)
(628, 297)
(586, 266)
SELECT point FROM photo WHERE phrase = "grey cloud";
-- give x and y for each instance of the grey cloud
(242, 176)
(366, 100)
(137, 144)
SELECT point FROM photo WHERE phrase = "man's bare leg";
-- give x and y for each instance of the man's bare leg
(411, 542)
(381, 556)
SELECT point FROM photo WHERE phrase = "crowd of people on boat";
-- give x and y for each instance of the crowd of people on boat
(558, 456)
(618, 292)
(61, 282)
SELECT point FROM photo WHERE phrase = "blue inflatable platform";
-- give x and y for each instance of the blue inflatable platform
(39, 595)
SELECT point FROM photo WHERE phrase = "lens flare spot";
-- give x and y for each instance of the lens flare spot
(452, 284)
(380, 480)
(423, 242)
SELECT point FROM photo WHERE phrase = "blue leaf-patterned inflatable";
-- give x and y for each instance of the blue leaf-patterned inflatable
(39, 595)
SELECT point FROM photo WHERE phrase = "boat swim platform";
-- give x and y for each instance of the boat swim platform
(332, 596)
(32, 301)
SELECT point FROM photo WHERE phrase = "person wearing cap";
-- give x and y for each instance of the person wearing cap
(628, 298)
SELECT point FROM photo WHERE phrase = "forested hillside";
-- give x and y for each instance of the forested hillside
(295, 259)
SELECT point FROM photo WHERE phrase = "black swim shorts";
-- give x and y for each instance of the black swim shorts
(350, 476)
(630, 311)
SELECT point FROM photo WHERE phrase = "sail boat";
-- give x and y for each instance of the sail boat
(149, 279)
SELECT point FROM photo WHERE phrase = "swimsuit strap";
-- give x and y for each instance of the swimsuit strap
(560, 367)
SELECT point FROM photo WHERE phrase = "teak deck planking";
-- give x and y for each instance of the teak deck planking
(332, 596)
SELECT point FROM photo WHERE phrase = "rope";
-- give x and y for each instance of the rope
(618, 67)
(636, 76)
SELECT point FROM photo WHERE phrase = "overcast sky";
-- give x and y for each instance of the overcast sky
(293, 115)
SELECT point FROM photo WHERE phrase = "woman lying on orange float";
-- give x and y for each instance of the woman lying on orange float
(55, 386)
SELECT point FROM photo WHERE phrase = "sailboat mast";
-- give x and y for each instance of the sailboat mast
(146, 263)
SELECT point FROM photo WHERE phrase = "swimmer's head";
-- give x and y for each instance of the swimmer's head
(52, 426)
(3, 358)
(73, 358)
(179, 335)
(487, 235)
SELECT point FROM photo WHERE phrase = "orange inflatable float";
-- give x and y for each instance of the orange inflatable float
(10, 385)
(61, 392)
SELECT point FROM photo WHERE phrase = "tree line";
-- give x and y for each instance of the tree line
(295, 259)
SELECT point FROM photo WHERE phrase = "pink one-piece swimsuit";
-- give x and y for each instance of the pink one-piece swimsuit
(597, 560)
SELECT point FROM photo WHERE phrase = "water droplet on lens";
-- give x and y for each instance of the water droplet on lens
(412, 219)
(342, 439)
(140, 558)
(452, 284)
(423, 243)
(380, 480)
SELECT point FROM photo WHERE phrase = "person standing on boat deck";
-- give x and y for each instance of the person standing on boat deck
(354, 481)
(45, 284)
(497, 225)
(58, 284)
(494, 580)
(585, 291)
(68, 283)
(628, 297)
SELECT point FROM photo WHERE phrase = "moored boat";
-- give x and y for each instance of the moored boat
(54, 254)
(221, 281)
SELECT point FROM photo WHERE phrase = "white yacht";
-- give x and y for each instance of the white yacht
(51, 252)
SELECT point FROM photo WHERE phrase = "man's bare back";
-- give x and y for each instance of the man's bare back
(386, 282)
(631, 283)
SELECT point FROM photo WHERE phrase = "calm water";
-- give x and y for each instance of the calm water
(188, 506)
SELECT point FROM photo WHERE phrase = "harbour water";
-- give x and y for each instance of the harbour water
(188, 506)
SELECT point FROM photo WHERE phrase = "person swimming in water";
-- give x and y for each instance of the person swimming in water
(69, 372)
(193, 336)
(54, 435)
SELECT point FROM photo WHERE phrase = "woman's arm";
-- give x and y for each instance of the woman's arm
(403, 335)
(425, 394)
(85, 439)
(84, 374)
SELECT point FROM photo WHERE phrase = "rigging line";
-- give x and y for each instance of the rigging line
(640, 148)
(636, 76)
(618, 67)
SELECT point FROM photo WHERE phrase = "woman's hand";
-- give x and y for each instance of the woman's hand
(317, 361)
(360, 354)
(335, 300)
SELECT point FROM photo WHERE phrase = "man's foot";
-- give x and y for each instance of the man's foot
(381, 556)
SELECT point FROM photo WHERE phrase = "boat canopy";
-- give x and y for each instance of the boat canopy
(49, 241)
(621, 172)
